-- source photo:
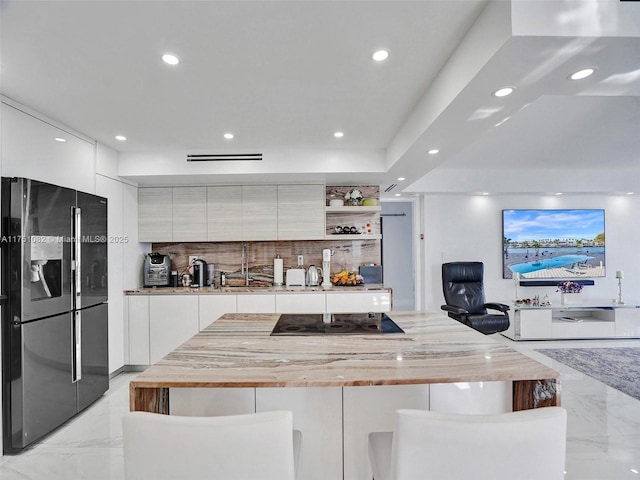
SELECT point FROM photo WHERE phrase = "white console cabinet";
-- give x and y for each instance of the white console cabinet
(596, 320)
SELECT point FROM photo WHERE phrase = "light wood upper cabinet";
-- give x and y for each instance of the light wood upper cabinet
(155, 214)
(259, 212)
(231, 213)
(224, 210)
(301, 214)
(189, 214)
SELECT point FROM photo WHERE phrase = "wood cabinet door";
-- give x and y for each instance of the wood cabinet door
(155, 214)
(189, 214)
(260, 212)
(224, 213)
(301, 212)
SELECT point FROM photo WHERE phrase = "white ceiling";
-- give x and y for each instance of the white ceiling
(284, 75)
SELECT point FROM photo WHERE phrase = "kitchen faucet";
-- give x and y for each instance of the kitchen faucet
(244, 268)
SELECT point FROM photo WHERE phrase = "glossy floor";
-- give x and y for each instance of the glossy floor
(603, 430)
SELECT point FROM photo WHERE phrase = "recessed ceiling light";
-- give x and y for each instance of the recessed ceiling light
(579, 75)
(60, 139)
(380, 55)
(484, 193)
(503, 92)
(630, 193)
(170, 59)
(558, 193)
(433, 151)
(338, 134)
(228, 136)
(398, 194)
(401, 179)
(121, 138)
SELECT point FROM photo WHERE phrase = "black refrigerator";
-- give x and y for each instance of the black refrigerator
(54, 320)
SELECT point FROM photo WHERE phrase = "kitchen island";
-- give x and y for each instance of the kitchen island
(340, 387)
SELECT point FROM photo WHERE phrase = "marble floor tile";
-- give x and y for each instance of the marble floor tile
(603, 439)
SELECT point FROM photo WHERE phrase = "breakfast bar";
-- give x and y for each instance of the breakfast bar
(347, 383)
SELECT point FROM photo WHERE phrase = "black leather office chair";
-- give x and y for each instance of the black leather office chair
(464, 296)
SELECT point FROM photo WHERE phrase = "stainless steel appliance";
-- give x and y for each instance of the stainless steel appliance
(313, 277)
(200, 273)
(157, 270)
(55, 320)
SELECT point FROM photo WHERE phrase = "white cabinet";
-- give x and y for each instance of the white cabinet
(189, 209)
(359, 302)
(138, 315)
(173, 321)
(155, 217)
(224, 211)
(373, 409)
(317, 414)
(300, 303)
(578, 321)
(212, 307)
(259, 212)
(256, 303)
(301, 212)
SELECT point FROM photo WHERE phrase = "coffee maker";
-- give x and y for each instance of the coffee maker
(200, 273)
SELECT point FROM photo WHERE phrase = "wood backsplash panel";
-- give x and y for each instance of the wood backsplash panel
(227, 256)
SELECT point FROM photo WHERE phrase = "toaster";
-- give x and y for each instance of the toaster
(157, 270)
(296, 277)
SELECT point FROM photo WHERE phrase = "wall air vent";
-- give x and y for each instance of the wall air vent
(391, 187)
(224, 157)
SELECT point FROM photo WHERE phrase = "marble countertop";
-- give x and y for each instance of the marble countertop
(282, 289)
(237, 351)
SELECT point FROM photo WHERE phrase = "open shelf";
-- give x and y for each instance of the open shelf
(337, 236)
(351, 209)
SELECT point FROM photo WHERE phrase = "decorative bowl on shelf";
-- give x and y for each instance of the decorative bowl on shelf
(336, 202)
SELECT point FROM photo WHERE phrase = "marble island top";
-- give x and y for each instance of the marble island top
(238, 351)
(252, 289)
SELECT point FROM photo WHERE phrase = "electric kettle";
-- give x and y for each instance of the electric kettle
(313, 278)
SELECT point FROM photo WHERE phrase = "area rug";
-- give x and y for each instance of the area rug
(618, 368)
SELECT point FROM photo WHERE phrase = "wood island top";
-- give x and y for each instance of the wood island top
(237, 351)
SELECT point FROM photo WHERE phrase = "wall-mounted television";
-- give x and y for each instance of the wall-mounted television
(553, 244)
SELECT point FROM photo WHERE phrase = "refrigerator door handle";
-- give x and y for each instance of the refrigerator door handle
(77, 347)
(77, 224)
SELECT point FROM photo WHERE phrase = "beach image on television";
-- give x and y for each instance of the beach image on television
(553, 243)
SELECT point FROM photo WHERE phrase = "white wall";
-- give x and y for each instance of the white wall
(464, 227)
(29, 150)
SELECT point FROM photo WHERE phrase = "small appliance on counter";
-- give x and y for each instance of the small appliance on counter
(200, 273)
(157, 270)
(326, 268)
(371, 273)
(313, 277)
(295, 277)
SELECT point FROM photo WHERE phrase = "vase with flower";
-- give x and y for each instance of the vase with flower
(353, 197)
(569, 292)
